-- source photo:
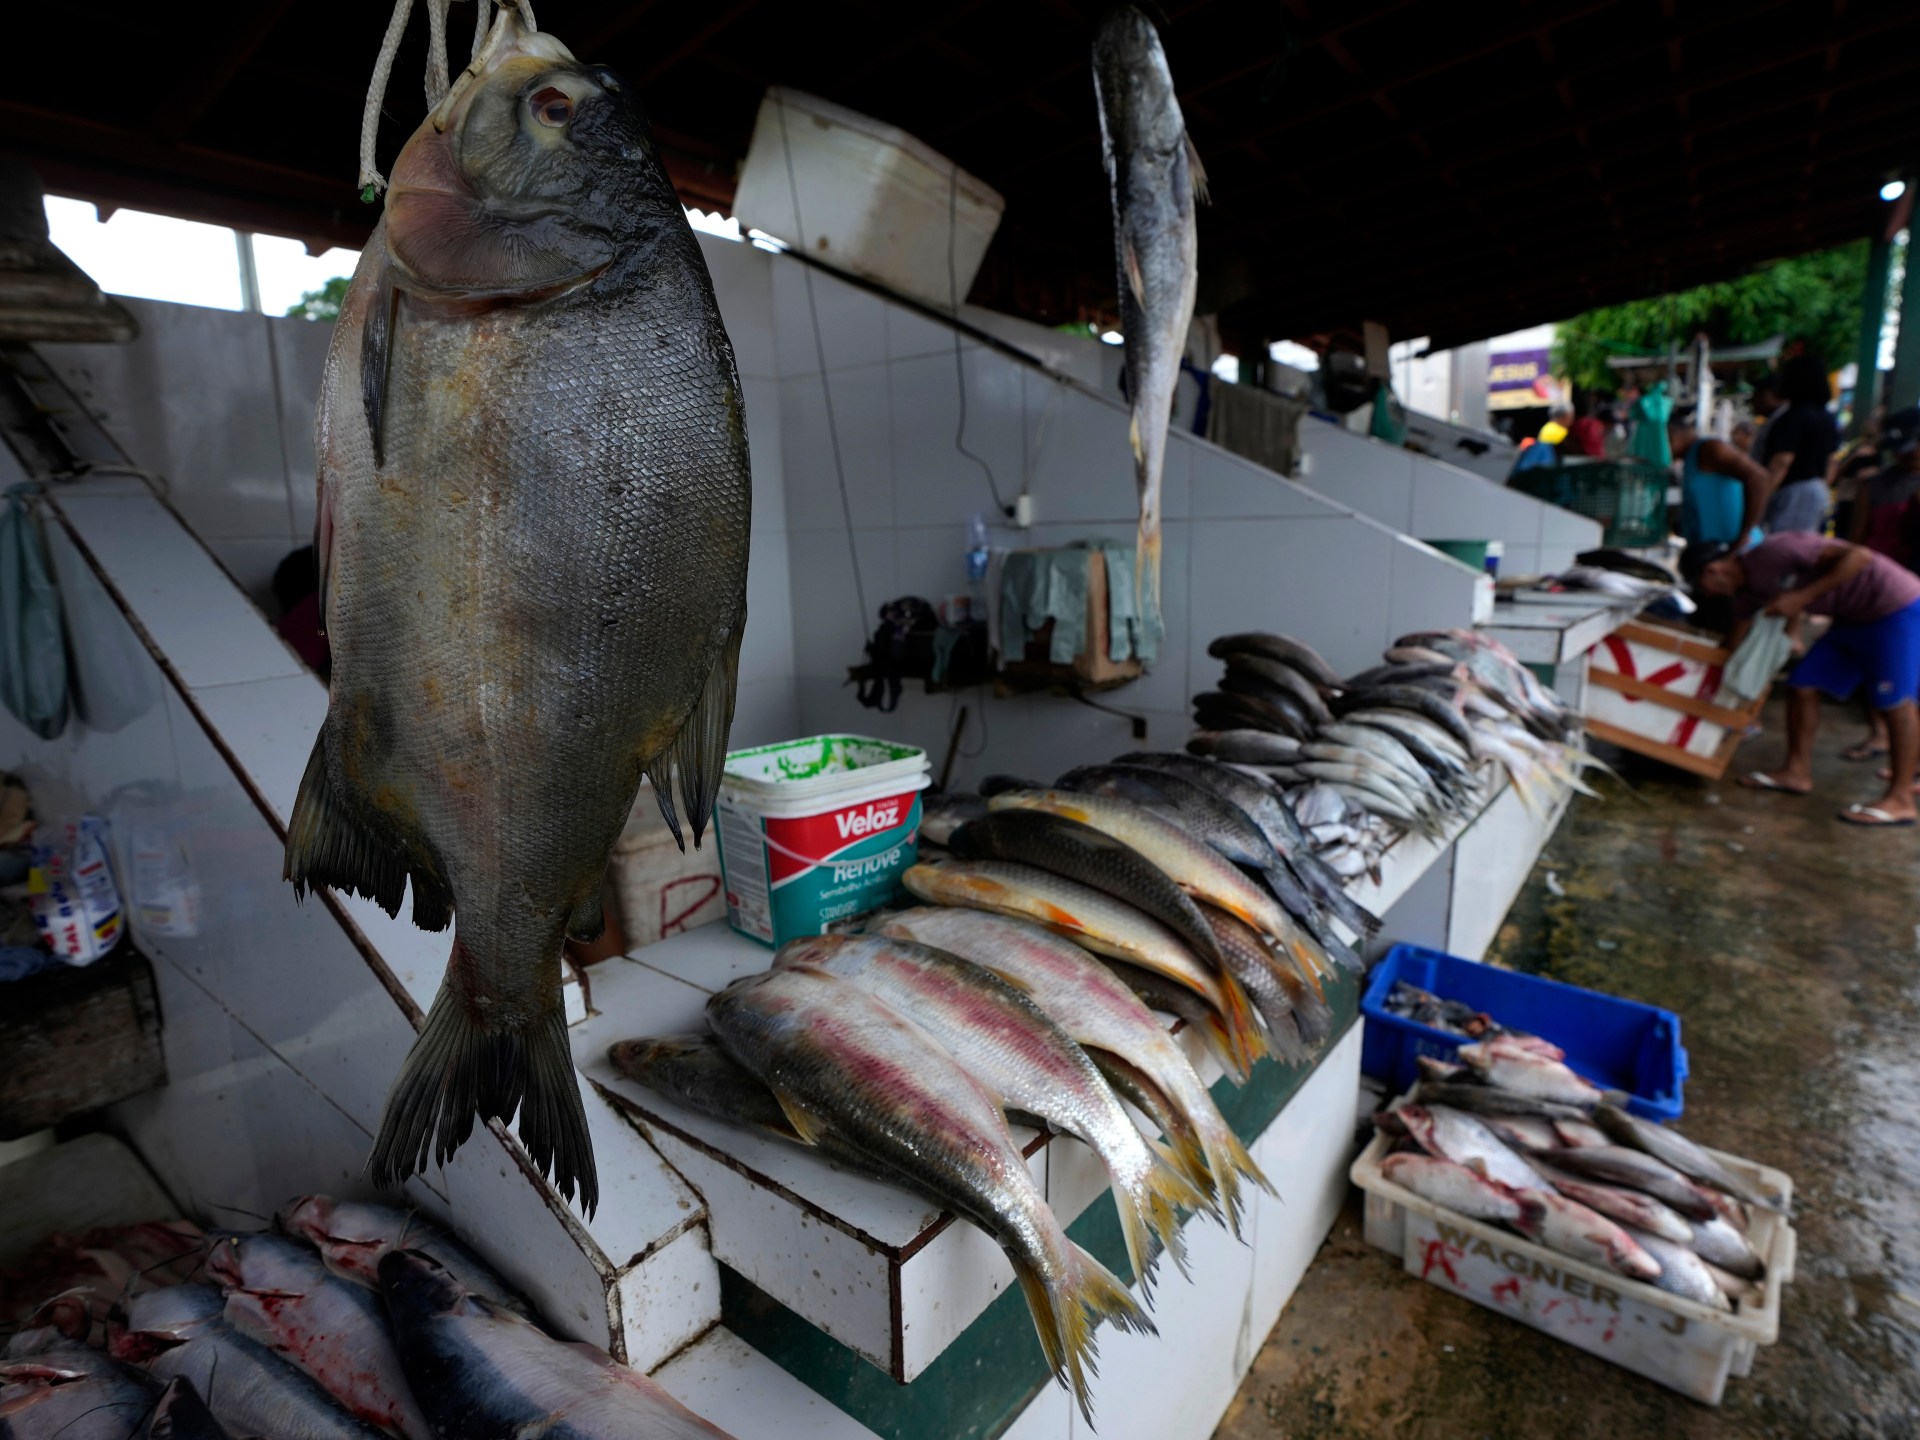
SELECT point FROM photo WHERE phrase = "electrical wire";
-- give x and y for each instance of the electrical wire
(867, 616)
(959, 361)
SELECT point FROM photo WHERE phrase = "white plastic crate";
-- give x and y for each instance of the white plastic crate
(1682, 1345)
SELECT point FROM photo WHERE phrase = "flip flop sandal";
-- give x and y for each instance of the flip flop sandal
(1759, 780)
(1871, 817)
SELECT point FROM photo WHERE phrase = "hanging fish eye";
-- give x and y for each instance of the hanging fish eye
(552, 106)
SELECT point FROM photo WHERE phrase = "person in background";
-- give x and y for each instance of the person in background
(1559, 425)
(1886, 519)
(296, 589)
(1875, 641)
(1766, 403)
(1800, 439)
(1723, 490)
(1851, 464)
(1587, 435)
(1742, 435)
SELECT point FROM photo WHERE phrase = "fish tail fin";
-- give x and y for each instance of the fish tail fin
(1067, 1306)
(1243, 1027)
(1219, 1043)
(1136, 1204)
(1231, 1163)
(1285, 1041)
(1172, 1190)
(1311, 1011)
(698, 754)
(460, 1069)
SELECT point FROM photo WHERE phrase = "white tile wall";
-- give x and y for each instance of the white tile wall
(862, 422)
(220, 404)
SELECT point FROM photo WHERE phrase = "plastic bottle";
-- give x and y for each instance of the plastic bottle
(977, 548)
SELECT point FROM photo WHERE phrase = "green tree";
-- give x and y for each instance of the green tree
(324, 303)
(1816, 296)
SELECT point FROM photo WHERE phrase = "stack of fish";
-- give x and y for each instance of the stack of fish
(347, 1322)
(1511, 1134)
(1401, 746)
(1058, 920)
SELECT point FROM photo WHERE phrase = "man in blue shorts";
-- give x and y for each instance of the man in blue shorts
(1875, 641)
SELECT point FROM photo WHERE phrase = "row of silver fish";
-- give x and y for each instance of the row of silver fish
(907, 1052)
(1510, 1133)
(346, 1322)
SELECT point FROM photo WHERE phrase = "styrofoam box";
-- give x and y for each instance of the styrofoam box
(872, 199)
(1679, 1343)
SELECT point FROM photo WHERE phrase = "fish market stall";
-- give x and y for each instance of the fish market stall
(848, 1165)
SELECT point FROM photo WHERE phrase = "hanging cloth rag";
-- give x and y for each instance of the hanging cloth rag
(1131, 635)
(1653, 410)
(33, 642)
(1759, 658)
(1041, 585)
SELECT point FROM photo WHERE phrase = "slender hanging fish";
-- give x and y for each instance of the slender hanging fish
(533, 524)
(1155, 176)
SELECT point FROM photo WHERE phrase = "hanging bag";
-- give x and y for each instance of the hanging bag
(33, 643)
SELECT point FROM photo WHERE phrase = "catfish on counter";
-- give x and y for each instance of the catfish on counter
(533, 521)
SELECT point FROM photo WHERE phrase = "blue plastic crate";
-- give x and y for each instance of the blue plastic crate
(1617, 1044)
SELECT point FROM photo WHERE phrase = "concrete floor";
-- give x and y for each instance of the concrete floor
(1790, 946)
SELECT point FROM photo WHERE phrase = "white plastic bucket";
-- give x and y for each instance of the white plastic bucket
(816, 832)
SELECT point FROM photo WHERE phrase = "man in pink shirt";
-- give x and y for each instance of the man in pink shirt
(1875, 641)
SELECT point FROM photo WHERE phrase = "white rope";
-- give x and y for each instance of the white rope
(436, 52)
(438, 77)
(372, 182)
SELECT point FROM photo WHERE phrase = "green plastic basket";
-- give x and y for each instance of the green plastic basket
(1629, 497)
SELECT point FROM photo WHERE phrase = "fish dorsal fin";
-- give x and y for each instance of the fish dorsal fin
(1195, 170)
(698, 754)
